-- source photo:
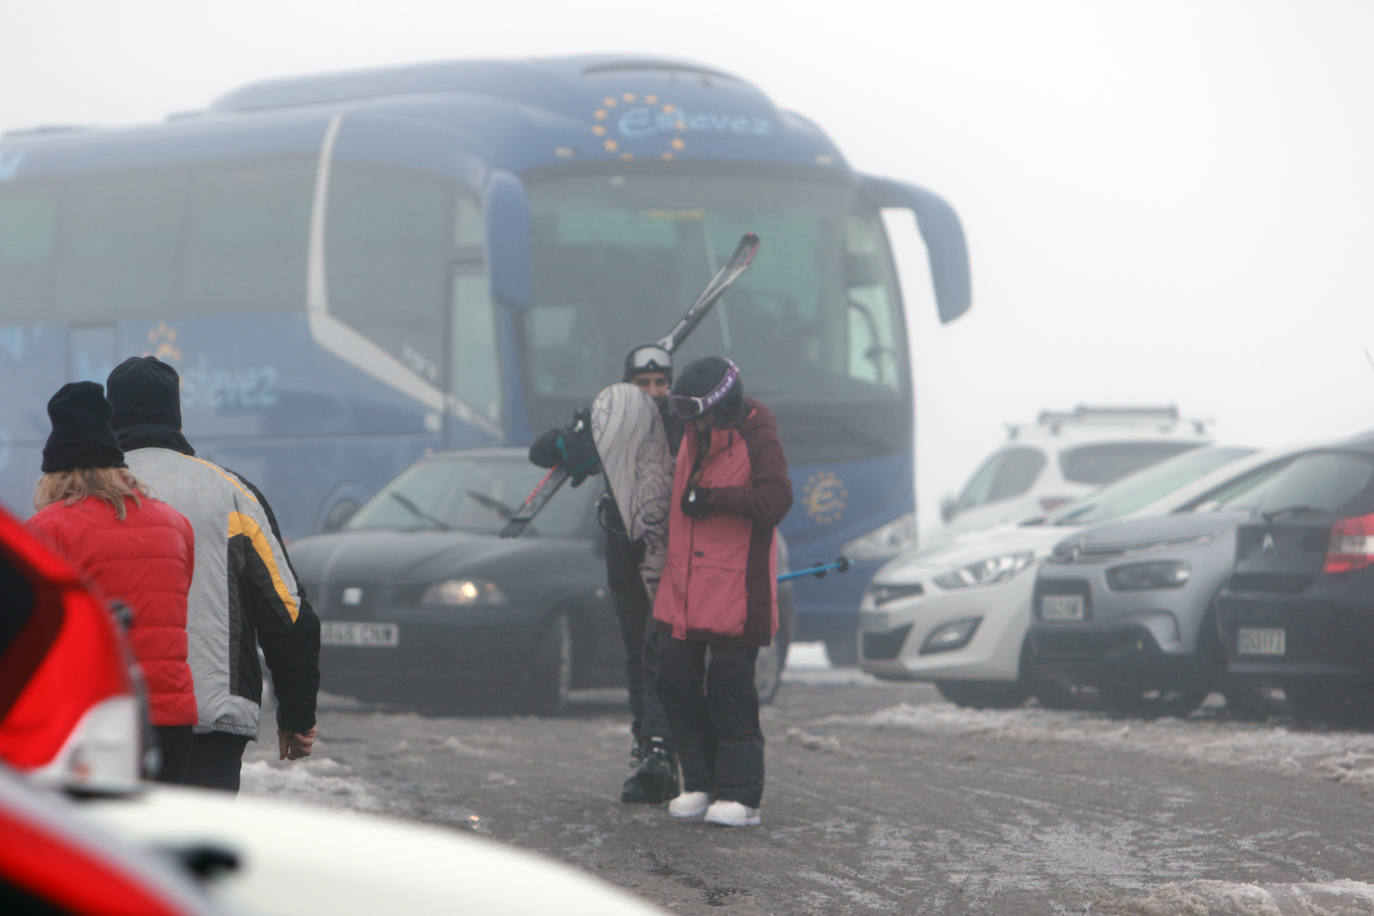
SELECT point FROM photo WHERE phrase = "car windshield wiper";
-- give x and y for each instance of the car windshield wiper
(419, 513)
(494, 505)
(1071, 518)
(1288, 511)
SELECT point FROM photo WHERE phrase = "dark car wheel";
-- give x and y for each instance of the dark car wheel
(1245, 702)
(550, 676)
(842, 651)
(984, 694)
(1154, 702)
(1325, 703)
(772, 658)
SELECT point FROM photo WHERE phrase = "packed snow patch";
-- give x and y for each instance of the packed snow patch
(1339, 756)
(1218, 897)
(324, 782)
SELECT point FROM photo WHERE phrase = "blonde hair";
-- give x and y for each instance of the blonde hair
(114, 485)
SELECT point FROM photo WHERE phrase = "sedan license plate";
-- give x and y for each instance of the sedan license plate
(369, 635)
(1061, 607)
(1261, 641)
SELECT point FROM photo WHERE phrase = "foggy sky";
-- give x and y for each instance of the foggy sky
(1166, 202)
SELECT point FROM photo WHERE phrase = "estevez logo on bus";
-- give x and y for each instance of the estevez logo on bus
(636, 118)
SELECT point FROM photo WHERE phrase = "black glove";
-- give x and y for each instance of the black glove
(696, 501)
(578, 449)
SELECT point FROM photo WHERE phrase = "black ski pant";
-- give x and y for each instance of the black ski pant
(174, 751)
(713, 708)
(216, 758)
(640, 634)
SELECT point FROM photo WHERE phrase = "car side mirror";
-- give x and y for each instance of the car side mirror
(947, 507)
(339, 514)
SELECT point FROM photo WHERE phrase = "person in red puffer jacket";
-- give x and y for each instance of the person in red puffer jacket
(136, 549)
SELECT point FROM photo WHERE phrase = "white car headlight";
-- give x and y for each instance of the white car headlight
(472, 592)
(884, 541)
(986, 572)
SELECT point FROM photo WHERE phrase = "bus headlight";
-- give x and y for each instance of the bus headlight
(884, 541)
(473, 592)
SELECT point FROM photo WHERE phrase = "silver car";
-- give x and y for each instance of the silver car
(1128, 609)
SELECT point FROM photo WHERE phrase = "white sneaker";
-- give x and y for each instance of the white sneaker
(689, 804)
(733, 814)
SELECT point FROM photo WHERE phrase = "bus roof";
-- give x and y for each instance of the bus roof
(515, 115)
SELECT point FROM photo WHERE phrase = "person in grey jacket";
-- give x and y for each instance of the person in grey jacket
(244, 593)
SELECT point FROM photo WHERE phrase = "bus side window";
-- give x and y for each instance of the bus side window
(475, 371)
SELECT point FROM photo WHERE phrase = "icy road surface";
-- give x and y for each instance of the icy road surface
(883, 798)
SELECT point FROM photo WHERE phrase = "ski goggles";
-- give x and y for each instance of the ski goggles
(686, 407)
(649, 358)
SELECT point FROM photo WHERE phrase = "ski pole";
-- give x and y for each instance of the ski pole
(819, 570)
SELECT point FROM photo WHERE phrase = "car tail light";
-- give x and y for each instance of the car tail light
(1351, 546)
(1050, 503)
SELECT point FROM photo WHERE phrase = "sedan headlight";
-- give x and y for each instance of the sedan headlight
(986, 572)
(473, 592)
(883, 542)
(1141, 576)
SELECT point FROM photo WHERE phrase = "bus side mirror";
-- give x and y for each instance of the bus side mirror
(944, 238)
(506, 217)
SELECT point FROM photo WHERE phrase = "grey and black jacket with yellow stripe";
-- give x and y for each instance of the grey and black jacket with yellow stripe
(243, 594)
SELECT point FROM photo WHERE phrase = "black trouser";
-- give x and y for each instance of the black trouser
(640, 634)
(713, 708)
(174, 751)
(216, 758)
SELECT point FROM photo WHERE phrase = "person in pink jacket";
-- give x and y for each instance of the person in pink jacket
(719, 590)
(138, 551)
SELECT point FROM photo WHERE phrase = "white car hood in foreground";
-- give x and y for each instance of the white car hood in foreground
(296, 859)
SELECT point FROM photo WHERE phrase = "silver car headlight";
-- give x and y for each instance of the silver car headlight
(883, 542)
(986, 572)
(467, 592)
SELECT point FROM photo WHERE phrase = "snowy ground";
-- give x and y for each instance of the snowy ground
(1206, 738)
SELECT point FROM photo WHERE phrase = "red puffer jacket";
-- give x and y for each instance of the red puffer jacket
(144, 561)
(719, 581)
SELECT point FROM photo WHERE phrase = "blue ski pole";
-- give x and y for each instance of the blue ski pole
(819, 570)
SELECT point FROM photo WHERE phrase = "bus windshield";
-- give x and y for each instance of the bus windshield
(815, 324)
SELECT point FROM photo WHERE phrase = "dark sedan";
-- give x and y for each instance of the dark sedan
(1298, 610)
(421, 600)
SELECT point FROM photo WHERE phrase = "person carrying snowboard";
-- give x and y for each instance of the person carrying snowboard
(655, 777)
(719, 590)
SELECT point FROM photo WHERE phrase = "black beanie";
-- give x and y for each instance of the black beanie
(81, 435)
(144, 389)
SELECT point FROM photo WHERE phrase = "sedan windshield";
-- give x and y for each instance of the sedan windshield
(1139, 490)
(470, 494)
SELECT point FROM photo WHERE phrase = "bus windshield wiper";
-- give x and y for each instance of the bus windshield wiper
(419, 513)
(494, 505)
(1287, 511)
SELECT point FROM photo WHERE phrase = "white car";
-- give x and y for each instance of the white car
(958, 614)
(1061, 457)
(260, 855)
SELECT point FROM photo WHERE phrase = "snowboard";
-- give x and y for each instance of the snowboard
(633, 447)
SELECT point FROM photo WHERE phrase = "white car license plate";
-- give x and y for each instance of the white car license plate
(1061, 607)
(1261, 641)
(349, 633)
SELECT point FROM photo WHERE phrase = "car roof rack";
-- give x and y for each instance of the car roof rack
(1165, 416)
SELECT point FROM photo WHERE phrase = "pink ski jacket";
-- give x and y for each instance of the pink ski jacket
(719, 580)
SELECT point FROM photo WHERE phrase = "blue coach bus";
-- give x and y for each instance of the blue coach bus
(350, 270)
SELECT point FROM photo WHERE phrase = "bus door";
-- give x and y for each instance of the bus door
(91, 351)
(474, 356)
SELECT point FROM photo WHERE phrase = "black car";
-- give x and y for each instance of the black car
(1298, 610)
(421, 600)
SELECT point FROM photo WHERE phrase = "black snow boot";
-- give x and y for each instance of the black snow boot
(654, 781)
